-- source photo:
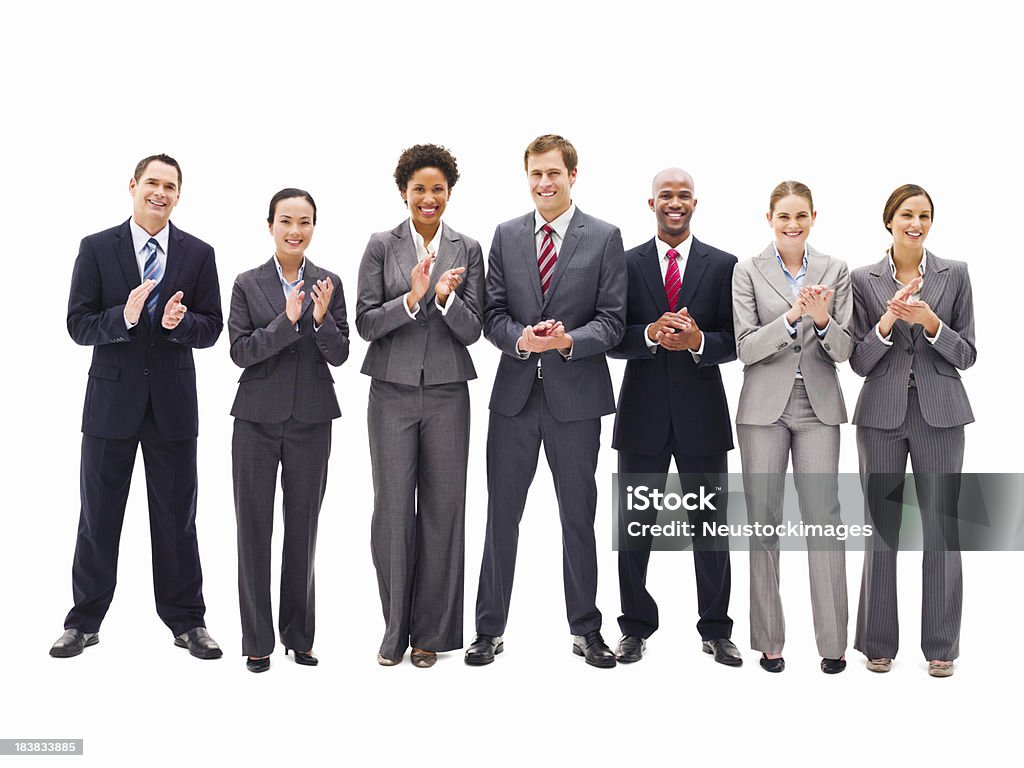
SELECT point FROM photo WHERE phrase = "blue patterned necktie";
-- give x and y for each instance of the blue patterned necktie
(153, 271)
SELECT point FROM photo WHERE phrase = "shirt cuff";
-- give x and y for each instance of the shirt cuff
(520, 354)
(129, 326)
(651, 345)
(443, 308)
(790, 328)
(887, 340)
(410, 312)
(823, 331)
(933, 339)
(567, 354)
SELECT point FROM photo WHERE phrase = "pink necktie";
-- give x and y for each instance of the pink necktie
(546, 260)
(673, 282)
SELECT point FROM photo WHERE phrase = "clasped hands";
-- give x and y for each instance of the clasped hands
(420, 282)
(545, 335)
(812, 301)
(676, 331)
(321, 294)
(174, 310)
(903, 306)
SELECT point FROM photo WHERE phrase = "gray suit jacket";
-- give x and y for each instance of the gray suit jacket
(883, 399)
(761, 296)
(400, 346)
(286, 372)
(587, 294)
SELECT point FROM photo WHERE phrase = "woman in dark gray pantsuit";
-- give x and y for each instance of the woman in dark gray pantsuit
(420, 304)
(913, 327)
(283, 413)
(792, 307)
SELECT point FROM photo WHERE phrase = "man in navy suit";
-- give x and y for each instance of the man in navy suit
(679, 328)
(143, 295)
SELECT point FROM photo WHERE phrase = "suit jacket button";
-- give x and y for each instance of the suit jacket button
(910, 350)
(796, 347)
(292, 350)
(153, 343)
(145, 371)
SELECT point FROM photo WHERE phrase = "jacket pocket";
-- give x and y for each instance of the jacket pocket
(108, 372)
(257, 371)
(945, 368)
(879, 370)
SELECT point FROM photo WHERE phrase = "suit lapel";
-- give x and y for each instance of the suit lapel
(270, 283)
(884, 286)
(650, 270)
(405, 251)
(528, 246)
(126, 256)
(768, 265)
(573, 235)
(448, 251)
(696, 263)
(817, 263)
(309, 277)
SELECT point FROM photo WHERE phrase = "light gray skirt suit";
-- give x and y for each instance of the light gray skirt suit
(914, 404)
(418, 424)
(780, 414)
(283, 413)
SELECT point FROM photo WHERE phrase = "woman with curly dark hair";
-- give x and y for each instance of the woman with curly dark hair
(420, 304)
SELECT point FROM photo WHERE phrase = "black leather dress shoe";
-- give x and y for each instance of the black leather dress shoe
(258, 665)
(303, 658)
(483, 650)
(72, 643)
(593, 648)
(772, 665)
(631, 648)
(199, 643)
(724, 650)
(833, 666)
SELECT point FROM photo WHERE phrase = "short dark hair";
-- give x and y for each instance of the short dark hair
(546, 143)
(425, 156)
(287, 194)
(144, 163)
(899, 196)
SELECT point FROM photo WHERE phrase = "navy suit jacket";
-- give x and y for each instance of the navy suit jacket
(668, 388)
(586, 294)
(147, 364)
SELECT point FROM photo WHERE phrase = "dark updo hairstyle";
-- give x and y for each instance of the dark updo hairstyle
(787, 188)
(426, 156)
(899, 196)
(286, 194)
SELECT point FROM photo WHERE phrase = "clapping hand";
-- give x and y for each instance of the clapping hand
(322, 293)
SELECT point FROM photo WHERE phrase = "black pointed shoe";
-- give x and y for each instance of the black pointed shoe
(630, 649)
(724, 650)
(199, 643)
(772, 665)
(483, 650)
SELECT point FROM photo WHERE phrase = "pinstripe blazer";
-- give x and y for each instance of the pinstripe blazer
(402, 347)
(761, 296)
(587, 294)
(286, 373)
(883, 399)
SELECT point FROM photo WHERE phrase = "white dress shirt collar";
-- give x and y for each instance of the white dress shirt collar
(421, 247)
(920, 267)
(560, 225)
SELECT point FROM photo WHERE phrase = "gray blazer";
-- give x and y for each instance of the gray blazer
(883, 399)
(587, 294)
(761, 296)
(401, 347)
(286, 373)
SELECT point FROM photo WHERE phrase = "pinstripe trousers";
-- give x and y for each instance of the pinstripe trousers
(513, 447)
(765, 452)
(937, 455)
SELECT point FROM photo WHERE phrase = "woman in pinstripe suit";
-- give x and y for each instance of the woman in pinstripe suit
(791, 307)
(914, 328)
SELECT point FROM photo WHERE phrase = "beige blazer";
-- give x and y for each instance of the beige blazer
(761, 296)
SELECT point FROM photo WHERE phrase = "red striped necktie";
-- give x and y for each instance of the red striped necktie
(673, 281)
(547, 259)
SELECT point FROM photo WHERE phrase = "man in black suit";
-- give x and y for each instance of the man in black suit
(679, 328)
(128, 301)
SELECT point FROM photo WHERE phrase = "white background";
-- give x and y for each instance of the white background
(255, 97)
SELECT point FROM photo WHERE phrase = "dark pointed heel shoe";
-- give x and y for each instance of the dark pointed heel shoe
(257, 665)
(305, 658)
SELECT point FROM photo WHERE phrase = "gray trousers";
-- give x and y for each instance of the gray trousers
(765, 452)
(302, 451)
(937, 454)
(419, 449)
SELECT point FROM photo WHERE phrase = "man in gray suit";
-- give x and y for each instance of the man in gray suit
(556, 291)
